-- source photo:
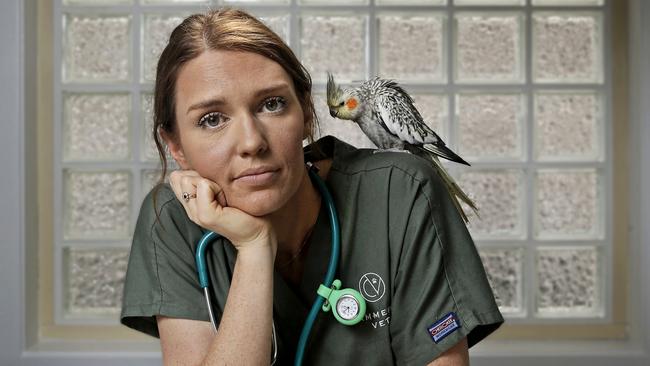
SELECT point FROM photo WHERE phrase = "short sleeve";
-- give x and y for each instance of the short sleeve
(161, 275)
(441, 293)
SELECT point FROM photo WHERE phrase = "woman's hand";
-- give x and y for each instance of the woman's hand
(208, 208)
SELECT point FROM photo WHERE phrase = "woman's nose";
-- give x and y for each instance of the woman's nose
(252, 137)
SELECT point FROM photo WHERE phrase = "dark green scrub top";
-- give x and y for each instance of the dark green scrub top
(403, 246)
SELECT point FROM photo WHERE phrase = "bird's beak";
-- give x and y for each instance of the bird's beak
(333, 112)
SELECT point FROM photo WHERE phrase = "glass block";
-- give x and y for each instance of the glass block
(97, 204)
(499, 196)
(96, 127)
(568, 2)
(94, 280)
(567, 47)
(333, 2)
(568, 281)
(567, 125)
(96, 2)
(150, 179)
(568, 204)
(410, 2)
(155, 35)
(336, 44)
(279, 24)
(490, 125)
(149, 151)
(489, 48)
(400, 35)
(434, 109)
(96, 48)
(504, 272)
(172, 2)
(345, 130)
(489, 2)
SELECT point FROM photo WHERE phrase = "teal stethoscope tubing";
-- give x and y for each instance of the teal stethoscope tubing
(209, 237)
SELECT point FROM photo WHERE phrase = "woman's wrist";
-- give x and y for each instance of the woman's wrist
(263, 247)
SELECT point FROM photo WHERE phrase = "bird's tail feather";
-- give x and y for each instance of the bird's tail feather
(455, 191)
(445, 152)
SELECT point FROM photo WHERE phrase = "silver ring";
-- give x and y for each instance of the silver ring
(187, 196)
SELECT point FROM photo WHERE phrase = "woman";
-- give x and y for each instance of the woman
(233, 105)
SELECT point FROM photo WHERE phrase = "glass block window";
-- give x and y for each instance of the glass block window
(519, 88)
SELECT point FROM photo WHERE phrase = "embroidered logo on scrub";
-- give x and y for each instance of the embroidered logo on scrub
(372, 287)
(444, 327)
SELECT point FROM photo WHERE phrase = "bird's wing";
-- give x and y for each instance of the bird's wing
(400, 117)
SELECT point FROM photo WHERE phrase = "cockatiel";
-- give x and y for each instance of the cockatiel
(386, 114)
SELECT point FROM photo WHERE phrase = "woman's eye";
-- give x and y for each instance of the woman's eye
(274, 104)
(211, 120)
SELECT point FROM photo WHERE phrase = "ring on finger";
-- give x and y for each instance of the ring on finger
(187, 196)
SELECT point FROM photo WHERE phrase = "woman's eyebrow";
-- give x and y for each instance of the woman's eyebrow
(216, 102)
(272, 89)
(210, 103)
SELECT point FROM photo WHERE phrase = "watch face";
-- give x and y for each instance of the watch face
(347, 307)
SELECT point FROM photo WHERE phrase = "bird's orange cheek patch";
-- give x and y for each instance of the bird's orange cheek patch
(351, 103)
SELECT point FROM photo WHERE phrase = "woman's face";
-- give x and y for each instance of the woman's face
(240, 124)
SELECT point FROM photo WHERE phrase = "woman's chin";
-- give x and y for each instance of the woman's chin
(257, 206)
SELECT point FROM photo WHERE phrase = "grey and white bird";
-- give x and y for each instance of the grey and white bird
(386, 113)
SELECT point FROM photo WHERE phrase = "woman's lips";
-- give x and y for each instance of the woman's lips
(257, 176)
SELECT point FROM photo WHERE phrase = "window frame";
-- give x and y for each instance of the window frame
(19, 343)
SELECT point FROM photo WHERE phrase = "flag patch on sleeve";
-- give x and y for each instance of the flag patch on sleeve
(444, 327)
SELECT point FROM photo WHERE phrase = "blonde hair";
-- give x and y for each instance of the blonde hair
(222, 29)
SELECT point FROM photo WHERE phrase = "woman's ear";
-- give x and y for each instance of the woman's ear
(176, 149)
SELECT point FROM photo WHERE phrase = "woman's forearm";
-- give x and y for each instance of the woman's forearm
(244, 335)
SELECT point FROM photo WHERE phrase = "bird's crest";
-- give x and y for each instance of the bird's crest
(333, 91)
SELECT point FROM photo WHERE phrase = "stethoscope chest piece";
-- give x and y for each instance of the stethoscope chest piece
(347, 305)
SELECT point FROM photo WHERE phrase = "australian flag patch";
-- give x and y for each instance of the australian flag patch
(444, 327)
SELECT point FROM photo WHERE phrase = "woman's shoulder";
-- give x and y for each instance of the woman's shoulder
(402, 167)
(159, 207)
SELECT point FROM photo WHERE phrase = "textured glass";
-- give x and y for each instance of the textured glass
(149, 153)
(96, 48)
(97, 205)
(279, 24)
(489, 2)
(568, 281)
(504, 272)
(567, 125)
(96, 126)
(95, 279)
(149, 180)
(336, 44)
(490, 125)
(330, 2)
(180, 2)
(567, 47)
(568, 204)
(489, 48)
(499, 196)
(400, 36)
(434, 110)
(567, 2)
(345, 130)
(410, 2)
(155, 35)
(96, 2)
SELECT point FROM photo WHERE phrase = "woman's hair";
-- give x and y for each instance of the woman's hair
(223, 29)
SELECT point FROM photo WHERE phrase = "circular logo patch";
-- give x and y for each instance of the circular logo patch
(372, 287)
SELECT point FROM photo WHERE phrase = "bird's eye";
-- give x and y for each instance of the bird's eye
(342, 104)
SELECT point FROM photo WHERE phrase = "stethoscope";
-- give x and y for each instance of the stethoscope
(347, 304)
